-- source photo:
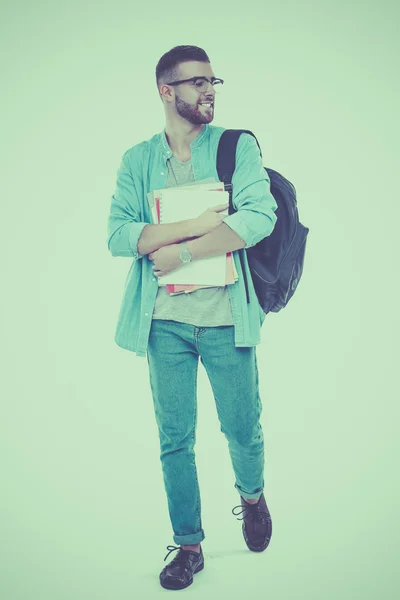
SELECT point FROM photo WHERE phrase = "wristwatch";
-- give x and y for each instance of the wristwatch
(185, 255)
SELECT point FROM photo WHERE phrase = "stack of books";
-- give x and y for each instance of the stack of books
(189, 202)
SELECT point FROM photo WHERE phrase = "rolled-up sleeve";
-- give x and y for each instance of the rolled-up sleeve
(124, 225)
(255, 217)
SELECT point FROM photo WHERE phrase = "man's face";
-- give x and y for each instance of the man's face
(188, 98)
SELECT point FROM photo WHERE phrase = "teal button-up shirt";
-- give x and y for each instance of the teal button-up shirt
(143, 169)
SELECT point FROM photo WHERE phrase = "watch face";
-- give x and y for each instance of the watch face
(185, 255)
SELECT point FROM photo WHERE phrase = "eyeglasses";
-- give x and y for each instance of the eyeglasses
(201, 83)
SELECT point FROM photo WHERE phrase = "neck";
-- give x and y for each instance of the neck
(179, 141)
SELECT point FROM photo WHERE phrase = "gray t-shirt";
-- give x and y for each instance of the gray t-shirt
(207, 307)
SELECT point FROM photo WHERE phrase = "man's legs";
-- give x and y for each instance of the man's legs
(173, 363)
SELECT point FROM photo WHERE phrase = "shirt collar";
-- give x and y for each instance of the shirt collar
(202, 137)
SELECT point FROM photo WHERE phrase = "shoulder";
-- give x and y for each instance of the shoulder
(134, 156)
(137, 150)
(246, 144)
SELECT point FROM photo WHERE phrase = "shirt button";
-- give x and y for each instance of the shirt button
(162, 173)
(146, 314)
(154, 278)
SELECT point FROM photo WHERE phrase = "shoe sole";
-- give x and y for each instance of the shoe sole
(256, 548)
(182, 587)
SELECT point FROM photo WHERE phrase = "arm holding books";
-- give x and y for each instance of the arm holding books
(220, 240)
(153, 237)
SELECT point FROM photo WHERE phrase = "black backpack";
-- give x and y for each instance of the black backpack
(276, 261)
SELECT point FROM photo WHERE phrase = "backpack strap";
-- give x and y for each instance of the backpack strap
(226, 154)
(226, 164)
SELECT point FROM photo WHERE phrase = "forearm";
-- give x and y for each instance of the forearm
(154, 237)
(220, 240)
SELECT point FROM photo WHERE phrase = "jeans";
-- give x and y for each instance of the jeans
(173, 352)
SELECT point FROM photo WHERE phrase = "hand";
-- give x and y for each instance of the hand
(209, 219)
(165, 259)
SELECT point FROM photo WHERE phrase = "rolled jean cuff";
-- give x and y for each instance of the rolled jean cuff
(190, 538)
(251, 496)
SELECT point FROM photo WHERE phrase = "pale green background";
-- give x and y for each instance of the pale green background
(83, 509)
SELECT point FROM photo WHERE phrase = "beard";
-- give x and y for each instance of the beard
(195, 114)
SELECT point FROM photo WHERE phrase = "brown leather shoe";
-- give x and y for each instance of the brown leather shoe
(257, 523)
(178, 574)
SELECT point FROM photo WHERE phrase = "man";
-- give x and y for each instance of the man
(215, 324)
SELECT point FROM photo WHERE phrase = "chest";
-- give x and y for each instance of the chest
(183, 157)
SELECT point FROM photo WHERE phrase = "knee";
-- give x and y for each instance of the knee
(245, 436)
(174, 440)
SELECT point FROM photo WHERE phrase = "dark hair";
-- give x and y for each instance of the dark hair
(168, 66)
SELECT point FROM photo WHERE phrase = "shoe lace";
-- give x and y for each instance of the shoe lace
(254, 512)
(181, 557)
